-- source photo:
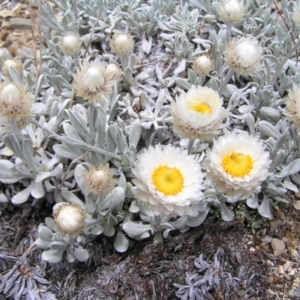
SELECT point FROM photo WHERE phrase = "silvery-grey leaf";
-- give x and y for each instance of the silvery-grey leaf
(135, 229)
(70, 197)
(42, 244)
(71, 132)
(181, 67)
(196, 221)
(39, 108)
(113, 199)
(180, 223)
(183, 83)
(97, 229)
(79, 176)
(292, 168)
(264, 208)
(134, 133)
(121, 243)
(22, 196)
(37, 191)
(246, 109)
(252, 202)
(51, 224)
(41, 176)
(226, 213)
(70, 256)
(45, 233)
(81, 254)
(268, 130)
(58, 245)
(290, 186)
(57, 172)
(109, 230)
(66, 152)
(53, 256)
(133, 207)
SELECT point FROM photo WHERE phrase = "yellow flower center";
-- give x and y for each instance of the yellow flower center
(237, 164)
(167, 180)
(202, 108)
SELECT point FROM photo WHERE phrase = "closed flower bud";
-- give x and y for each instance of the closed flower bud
(91, 82)
(202, 65)
(69, 218)
(296, 16)
(231, 11)
(10, 63)
(121, 43)
(244, 55)
(112, 73)
(70, 44)
(99, 180)
(15, 103)
(292, 109)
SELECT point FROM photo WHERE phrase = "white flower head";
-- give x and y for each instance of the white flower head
(99, 181)
(70, 44)
(231, 11)
(15, 103)
(69, 218)
(203, 65)
(91, 83)
(244, 55)
(292, 109)
(121, 43)
(168, 180)
(237, 164)
(198, 114)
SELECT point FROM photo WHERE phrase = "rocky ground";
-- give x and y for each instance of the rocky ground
(263, 255)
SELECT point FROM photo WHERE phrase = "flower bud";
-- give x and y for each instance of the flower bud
(90, 82)
(10, 63)
(296, 16)
(202, 65)
(15, 103)
(244, 55)
(69, 218)
(70, 44)
(231, 11)
(112, 73)
(121, 43)
(99, 180)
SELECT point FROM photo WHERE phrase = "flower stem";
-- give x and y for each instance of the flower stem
(284, 60)
(75, 142)
(225, 81)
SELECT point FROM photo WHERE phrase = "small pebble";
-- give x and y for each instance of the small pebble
(278, 246)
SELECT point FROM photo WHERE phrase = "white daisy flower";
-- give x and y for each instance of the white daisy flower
(198, 114)
(168, 180)
(237, 164)
(99, 181)
(244, 55)
(292, 109)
